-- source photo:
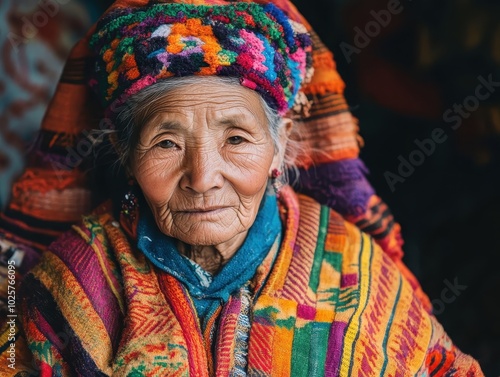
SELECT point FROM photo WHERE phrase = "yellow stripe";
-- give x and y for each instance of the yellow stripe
(364, 283)
(77, 309)
(97, 252)
(376, 322)
(283, 338)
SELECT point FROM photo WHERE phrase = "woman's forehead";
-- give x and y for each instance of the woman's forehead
(224, 102)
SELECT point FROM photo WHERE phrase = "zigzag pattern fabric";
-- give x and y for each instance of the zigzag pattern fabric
(331, 304)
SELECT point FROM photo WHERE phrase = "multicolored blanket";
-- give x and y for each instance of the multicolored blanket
(330, 303)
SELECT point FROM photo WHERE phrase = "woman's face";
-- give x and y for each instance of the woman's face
(203, 161)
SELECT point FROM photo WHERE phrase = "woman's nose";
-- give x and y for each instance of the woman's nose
(203, 170)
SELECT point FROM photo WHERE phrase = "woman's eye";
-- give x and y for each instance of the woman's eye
(166, 144)
(235, 140)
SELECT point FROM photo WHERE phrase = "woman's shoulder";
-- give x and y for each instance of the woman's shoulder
(345, 260)
(327, 249)
(80, 259)
(332, 231)
(334, 234)
(376, 307)
(85, 241)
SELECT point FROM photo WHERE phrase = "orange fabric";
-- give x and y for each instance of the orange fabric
(328, 138)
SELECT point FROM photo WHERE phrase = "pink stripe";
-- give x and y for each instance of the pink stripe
(81, 260)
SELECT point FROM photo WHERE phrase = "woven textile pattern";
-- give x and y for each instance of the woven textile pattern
(333, 304)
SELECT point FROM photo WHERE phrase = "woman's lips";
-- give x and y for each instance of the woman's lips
(197, 210)
(203, 213)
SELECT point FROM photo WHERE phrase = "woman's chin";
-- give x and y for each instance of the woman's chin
(205, 228)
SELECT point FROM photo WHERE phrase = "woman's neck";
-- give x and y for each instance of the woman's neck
(213, 257)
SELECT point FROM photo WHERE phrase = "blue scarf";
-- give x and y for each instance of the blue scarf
(209, 292)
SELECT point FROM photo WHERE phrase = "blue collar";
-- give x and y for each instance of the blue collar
(205, 289)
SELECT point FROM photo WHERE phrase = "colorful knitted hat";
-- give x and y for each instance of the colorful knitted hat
(258, 44)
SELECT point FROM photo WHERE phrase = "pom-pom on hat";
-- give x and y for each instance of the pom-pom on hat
(259, 44)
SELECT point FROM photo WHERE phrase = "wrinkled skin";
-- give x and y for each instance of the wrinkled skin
(203, 162)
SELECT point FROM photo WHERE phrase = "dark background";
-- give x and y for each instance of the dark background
(414, 68)
(425, 60)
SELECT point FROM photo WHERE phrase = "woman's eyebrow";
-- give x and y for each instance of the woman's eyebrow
(236, 121)
(167, 126)
(228, 121)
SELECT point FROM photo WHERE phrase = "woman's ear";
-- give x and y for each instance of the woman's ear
(285, 130)
(287, 126)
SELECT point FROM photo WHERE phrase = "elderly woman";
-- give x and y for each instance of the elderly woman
(210, 264)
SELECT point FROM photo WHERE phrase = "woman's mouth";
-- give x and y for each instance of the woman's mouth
(202, 209)
(203, 213)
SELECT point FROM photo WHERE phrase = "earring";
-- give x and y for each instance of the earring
(130, 209)
(276, 181)
(129, 205)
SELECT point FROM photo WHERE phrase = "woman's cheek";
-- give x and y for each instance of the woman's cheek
(249, 172)
(155, 176)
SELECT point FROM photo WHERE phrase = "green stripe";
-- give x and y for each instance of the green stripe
(300, 350)
(320, 248)
(348, 298)
(308, 349)
(361, 276)
(334, 259)
(319, 345)
(386, 337)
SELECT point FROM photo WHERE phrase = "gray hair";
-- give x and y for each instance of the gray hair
(130, 127)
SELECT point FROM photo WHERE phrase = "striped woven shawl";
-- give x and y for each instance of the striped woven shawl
(331, 303)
